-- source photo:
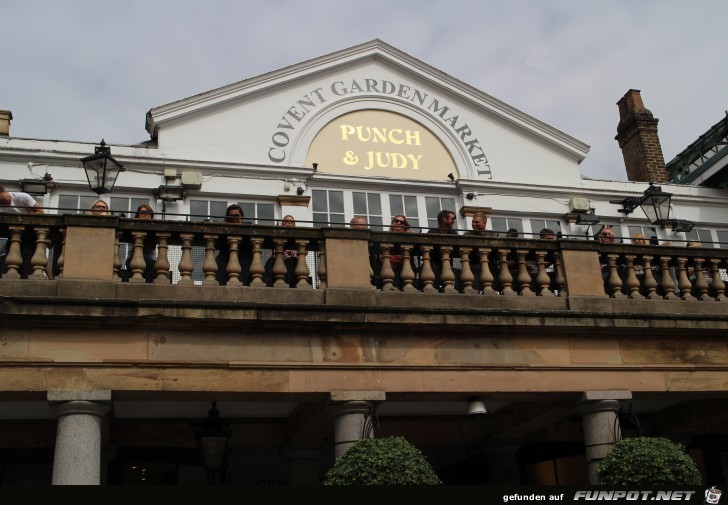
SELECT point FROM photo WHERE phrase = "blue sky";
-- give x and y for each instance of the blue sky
(86, 69)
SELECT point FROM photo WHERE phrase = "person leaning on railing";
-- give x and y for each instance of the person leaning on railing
(478, 223)
(16, 202)
(144, 211)
(290, 259)
(234, 215)
(399, 224)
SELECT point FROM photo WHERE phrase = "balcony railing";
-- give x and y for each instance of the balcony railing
(137, 251)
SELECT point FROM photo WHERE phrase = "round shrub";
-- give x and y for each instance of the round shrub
(382, 461)
(648, 461)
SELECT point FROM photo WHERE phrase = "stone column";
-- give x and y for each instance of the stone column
(351, 410)
(601, 427)
(303, 466)
(77, 458)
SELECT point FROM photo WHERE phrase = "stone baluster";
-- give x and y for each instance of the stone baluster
(209, 266)
(279, 269)
(683, 282)
(505, 279)
(427, 275)
(667, 283)
(39, 261)
(321, 271)
(701, 284)
(257, 269)
(137, 263)
(524, 278)
(302, 271)
(633, 283)
(717, 283)
(486, 276)
(614, 283)
(386, 273)
(447, 276)
(186, 266)
(161, 264)
(649, 284)
(233, 266)
(466, 274)
(14, 260)
(407, 274)
(543, 281)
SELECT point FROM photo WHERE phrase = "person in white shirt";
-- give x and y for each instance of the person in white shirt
(18, 203)
(12, 202)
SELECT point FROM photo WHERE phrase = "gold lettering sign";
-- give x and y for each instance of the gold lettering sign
(380, 143)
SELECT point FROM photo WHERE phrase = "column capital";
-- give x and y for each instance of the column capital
(350, 407)
(64, 403)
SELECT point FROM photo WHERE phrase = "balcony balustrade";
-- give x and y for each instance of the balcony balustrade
(44, 248)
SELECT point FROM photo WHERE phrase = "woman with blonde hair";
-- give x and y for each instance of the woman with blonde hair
(639, 239)
(99, 208)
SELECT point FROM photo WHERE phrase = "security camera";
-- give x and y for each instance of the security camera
(476, 409)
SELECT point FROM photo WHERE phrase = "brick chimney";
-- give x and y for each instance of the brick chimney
(5, 117)
(638, 139)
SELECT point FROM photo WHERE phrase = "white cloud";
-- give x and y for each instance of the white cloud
(83, 69)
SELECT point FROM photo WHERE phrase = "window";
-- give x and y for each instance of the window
(258, 213)
(368, 205)
(407, 206)
(646, 231)
(539, 224)
(328, 207)
(503, 224)
(75, 204)
(126, 206)
(434, 205)
(722, 238)
(201, 210)
(703, 236)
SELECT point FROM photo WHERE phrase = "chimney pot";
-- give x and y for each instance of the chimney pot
(5, 117)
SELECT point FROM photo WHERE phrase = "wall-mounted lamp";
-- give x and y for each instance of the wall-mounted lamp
(299, 191)
(101, 169)
(655, 204)
(587, 218)
(476, 408)
(451, 177)
(37, 186)
(169, 193)
(682, 225)
(315, 166)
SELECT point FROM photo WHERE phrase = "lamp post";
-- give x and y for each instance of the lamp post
(101, 169)
(213, 439)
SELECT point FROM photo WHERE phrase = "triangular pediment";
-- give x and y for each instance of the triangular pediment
(276, 117)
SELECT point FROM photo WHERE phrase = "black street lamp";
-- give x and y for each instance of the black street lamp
(655, 204)
(213, 440)
(101, 169)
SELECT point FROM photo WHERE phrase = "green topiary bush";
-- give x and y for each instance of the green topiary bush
(381, 462)
(648, 461)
